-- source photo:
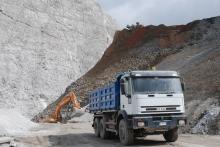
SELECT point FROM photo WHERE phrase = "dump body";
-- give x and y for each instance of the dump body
(105, 98)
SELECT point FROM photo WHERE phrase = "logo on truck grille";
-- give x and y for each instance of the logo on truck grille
(161, 108)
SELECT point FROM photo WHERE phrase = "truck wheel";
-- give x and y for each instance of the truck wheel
(126, 135)
(97, 127)
(171, 135)
(103, 133)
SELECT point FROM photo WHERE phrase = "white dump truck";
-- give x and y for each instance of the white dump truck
(139, 103)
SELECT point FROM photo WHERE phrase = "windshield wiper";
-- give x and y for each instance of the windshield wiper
(159, 92)
(166, 92)
(149, 92)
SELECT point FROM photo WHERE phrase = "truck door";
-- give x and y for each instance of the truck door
(126, 95)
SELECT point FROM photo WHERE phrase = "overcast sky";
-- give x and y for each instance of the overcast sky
(168, 12)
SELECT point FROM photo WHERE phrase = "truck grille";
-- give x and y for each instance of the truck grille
(168, 108)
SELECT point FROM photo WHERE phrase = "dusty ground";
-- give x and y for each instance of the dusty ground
(81, 134)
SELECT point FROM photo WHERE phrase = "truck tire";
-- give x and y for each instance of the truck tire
(126, 135)
(97, 127)
(103, 133)
(171, 135)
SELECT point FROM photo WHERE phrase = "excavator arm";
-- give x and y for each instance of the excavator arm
(70, 97)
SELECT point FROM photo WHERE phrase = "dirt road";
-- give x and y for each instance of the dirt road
(81, 134)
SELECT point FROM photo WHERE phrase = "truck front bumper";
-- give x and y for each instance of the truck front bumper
(158, 123)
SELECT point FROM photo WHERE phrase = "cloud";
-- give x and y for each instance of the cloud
(169, 12)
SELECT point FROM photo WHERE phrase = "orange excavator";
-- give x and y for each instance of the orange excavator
(69, 98)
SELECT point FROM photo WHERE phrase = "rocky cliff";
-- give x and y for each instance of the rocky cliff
(46, 44)
(192, 49)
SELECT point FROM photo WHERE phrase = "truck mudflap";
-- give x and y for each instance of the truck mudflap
(158, 123)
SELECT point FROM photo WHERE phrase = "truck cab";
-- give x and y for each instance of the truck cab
(146, 102)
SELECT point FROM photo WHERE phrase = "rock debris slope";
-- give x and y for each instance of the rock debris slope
(44, 45)
(191, 49)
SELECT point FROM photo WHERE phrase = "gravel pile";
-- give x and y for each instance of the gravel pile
(206, 124)
(13, 123)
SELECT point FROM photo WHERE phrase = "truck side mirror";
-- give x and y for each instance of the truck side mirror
(125, 88)
(183, 86)
(122, 84)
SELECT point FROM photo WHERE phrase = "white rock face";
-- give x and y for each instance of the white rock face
(45, 45)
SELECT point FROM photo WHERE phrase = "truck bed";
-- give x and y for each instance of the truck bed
(105, 98)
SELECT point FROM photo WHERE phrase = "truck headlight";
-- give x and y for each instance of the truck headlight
(141, 124)
(182, 122)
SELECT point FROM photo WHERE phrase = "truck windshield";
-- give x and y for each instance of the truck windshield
(157, 85)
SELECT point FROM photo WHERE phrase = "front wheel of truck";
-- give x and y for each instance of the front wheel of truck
(97, 127)
(126, 135)
(171, 135)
